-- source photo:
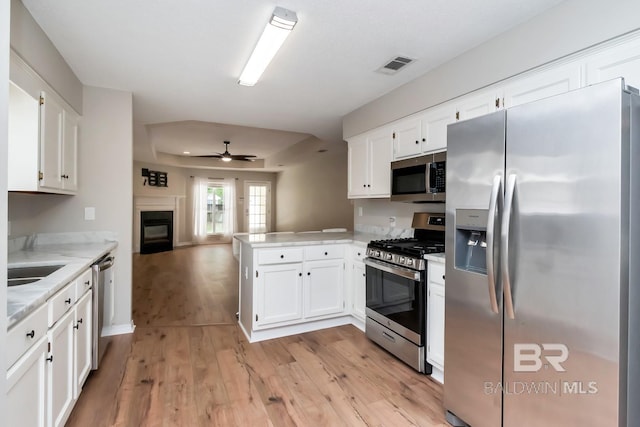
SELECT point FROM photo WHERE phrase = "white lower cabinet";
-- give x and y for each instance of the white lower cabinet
(49, 367)
(82, 344)
(278, 294)
(323, 288)
(359, 283)
(60, 370)
(435, 315)
(26, 388)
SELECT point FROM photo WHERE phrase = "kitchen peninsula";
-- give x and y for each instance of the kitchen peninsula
(299, 282)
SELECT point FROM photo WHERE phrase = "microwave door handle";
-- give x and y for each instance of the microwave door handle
(495, 205)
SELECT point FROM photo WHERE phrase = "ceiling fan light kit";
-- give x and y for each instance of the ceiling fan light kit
(227, 156)
(275, 33)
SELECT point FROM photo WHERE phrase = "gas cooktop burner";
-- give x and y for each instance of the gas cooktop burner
(407, 252)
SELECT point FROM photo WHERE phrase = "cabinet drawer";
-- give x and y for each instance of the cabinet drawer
(26, 333)
(83, 284)
(279, 256)
(312, 253)
(61, 302)
(436, 272)
(358, 253)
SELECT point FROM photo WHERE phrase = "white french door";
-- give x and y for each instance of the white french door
(257, 199)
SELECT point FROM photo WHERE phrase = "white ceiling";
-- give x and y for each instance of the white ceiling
(181, 60)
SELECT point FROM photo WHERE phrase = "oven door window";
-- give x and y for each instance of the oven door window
(397, 298)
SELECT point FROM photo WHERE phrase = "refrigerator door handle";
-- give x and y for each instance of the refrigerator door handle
(495, 204)
(504, 244)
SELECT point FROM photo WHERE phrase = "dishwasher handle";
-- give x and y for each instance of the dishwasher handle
(105, 263)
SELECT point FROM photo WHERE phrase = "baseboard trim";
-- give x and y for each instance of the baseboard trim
(122, 329)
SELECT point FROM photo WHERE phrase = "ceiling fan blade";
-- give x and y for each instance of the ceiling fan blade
(216, 156)
(241, 156)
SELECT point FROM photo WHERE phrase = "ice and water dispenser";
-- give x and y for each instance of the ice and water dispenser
(471, 240)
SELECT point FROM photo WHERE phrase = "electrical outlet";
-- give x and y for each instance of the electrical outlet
(392, 221)
(89, 214)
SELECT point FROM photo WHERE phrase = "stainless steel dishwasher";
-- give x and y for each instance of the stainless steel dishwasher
(102, 292)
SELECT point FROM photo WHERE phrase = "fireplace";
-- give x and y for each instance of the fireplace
(156, 231)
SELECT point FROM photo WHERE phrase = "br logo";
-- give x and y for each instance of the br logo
(528, 357)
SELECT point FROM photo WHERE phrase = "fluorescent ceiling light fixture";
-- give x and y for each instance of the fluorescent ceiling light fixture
(275, 33)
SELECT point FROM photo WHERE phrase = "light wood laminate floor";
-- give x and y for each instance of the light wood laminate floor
(188, 363)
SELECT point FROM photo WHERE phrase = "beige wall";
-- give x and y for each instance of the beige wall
(104, 162)
(313, 195)
(35, 48)
(4, 114)
(179, 182)
(565, 29)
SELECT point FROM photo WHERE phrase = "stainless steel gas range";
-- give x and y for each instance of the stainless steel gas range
(396, 273)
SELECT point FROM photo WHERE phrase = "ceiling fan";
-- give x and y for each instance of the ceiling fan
(227, 157)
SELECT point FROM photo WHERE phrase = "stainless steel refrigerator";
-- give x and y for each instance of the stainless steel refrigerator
(542, 320)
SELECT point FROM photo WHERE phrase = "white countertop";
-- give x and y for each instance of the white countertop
(438, 257)
(76, 257)
(301, 239)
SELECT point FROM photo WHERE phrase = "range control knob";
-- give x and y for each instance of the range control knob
(378, 254)
(402, 260)
(388, 256)
(410, 261)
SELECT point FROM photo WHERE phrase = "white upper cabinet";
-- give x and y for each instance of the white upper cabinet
(43, 136)
(407, 138)
(543, 84)
(618, 61)
(478, 104)
(370, 164)
(424, 133)
(434, 127)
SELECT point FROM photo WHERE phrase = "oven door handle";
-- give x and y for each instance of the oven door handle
(398, 271)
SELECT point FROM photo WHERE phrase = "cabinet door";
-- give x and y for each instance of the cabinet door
(407, 138)
(435, 319)
(26, 388)
(82, 342)
(23, 143)
(359, 282)
(434, 127)
(380, 153)
(478, 104)
(358, 166)
(278, 294)
(50, 142)
(323, 288)
(60, 371)
(543, 84)
(618, 61)
(70, 152)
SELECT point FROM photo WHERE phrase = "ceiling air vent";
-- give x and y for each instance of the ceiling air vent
(395, 65)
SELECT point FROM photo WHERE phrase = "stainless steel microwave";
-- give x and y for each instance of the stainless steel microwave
(419, 179)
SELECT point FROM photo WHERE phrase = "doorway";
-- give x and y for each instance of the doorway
(257, 196)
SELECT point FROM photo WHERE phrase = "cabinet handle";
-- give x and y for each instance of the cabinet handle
(443, 277)
(424, 139)
(282, 256)
(68, 301)
(364, 185)
(87, 282)
(417, 142)
(50, 358)
(368, 185)
(31, 334)
(80, 320)
(300, 274)
(358, 253)
(308, 273)
(326, 253)
(76, 326)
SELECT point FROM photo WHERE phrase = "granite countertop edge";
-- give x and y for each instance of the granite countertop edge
(306, 239)
(76, 257)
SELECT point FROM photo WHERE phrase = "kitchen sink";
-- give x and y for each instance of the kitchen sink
(24, 275)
